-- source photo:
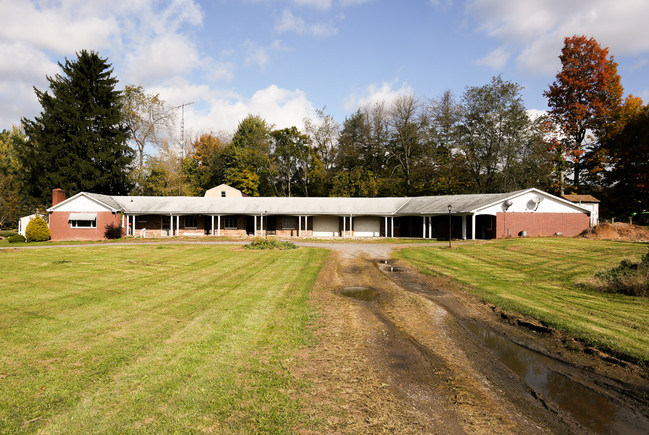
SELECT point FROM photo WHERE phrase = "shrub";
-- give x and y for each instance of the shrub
(16, 238)
(37, 230)
(113, 231)
(628, 278)
(8, 234)
(270, 244)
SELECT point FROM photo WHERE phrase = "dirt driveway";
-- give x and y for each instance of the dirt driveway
(403, 358)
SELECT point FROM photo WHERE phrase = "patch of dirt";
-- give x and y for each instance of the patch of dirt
(616, 231)
(405, 362)
(394, 364)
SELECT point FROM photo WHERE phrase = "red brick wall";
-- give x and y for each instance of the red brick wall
(541, 224)
(60, 228)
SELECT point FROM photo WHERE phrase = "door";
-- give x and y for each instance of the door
(165, 226)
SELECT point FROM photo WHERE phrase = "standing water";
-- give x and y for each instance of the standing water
(593, 411)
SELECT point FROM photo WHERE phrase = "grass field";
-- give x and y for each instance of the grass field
(541, 277)
(168, 338)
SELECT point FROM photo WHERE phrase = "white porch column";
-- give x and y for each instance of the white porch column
(133, 225)
(430, 227)
(212, 224)
(423, 229)
(123, 222)
(178, 225)
(254, 233)
(351, 225)
(344, 227)
(299, 226)
(261, 225)
(392, 226)
(218, 225)
(473, 226)
(463, 227)
(386, 226)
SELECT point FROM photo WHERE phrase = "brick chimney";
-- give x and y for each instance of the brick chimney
(58, 195)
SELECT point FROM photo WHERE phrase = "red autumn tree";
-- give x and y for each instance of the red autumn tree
(585, 95)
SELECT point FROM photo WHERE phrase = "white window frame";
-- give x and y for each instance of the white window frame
(228, 220)
(74, 223)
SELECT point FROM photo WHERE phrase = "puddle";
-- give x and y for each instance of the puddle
(591, 410)
(361, 293)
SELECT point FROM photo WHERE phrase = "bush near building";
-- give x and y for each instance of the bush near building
(16, 238)
(37, 230)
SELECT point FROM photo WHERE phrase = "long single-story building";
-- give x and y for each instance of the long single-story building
(530, 212)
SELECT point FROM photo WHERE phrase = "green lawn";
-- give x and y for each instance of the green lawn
(167, 338)
(540, 277)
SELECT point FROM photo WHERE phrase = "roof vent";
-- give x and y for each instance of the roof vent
(507, 204)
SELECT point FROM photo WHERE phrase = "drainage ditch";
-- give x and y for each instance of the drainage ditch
(591, 409)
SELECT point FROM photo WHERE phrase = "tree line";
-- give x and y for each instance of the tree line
(90, 136)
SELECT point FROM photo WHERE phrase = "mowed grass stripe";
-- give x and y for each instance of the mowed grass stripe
(540, 278)
(199, 342)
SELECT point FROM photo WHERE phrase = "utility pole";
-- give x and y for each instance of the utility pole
(182, 143)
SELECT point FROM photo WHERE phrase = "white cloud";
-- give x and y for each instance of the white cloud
(163, 56)
(496, 59)
(220, 71)
(223, 111)
(536, 113)
(20, 62)
(58, 29)
(289, 22)
(256, 55)
(385, 93)
(538, 28)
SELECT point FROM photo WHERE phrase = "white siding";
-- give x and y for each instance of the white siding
(367, 226)
(526, 203)
(82, 204)
(325, 226)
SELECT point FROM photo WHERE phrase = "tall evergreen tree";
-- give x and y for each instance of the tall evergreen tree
(78, 142)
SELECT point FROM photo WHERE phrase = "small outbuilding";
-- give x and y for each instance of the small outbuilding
(24, 221)
(588, 202)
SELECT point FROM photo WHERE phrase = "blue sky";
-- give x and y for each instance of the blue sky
(284, 59)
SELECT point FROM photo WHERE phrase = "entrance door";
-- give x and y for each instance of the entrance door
(250, 225)
(165, 228)
(270, 225)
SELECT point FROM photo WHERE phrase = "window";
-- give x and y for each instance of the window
(230, 222)
(190, 221)
(84, 223)
(83, 220)
(223, 194)
(141, 218)
(289, 222)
